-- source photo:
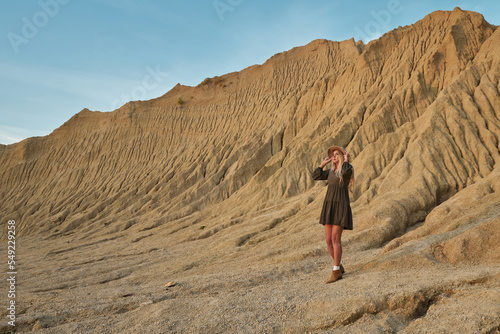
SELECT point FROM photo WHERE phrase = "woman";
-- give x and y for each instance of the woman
(336, 214)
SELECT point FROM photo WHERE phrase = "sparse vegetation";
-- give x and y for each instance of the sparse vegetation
(206, 81)
(215, 80)
(180, 101)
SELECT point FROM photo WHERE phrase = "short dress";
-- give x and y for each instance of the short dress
(337, 206)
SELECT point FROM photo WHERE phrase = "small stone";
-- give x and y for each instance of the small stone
(170, 284)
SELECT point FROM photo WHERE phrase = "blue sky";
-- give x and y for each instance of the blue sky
(60, 56)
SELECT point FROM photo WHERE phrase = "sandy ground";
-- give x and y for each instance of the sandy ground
(103, 288)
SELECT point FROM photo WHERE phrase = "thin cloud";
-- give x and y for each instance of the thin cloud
(11, 134)
(96, 88)
(70, 81)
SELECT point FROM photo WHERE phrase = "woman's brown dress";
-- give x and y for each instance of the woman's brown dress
(337, 206)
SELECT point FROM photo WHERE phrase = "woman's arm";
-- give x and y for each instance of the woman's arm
(319, 173)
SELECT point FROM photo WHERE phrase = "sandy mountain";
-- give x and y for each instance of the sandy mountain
(210, 187)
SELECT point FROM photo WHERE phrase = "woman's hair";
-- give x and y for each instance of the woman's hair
(341, 162)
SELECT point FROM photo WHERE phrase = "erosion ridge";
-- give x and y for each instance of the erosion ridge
(210, 186)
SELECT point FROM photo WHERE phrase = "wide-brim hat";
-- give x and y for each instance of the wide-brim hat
(336, 148)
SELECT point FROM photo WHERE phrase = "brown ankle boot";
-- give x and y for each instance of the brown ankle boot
(336, 275)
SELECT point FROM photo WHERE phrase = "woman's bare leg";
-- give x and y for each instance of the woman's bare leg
(333, 234)
(337, 244)
(329, 242)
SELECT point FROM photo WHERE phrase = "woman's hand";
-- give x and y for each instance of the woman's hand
(327, 160)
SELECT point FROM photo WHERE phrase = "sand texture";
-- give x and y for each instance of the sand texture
(214, 196)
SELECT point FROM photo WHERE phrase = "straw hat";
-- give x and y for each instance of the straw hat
(335, 148)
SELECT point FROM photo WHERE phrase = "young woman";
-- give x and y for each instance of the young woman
(336, 214)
